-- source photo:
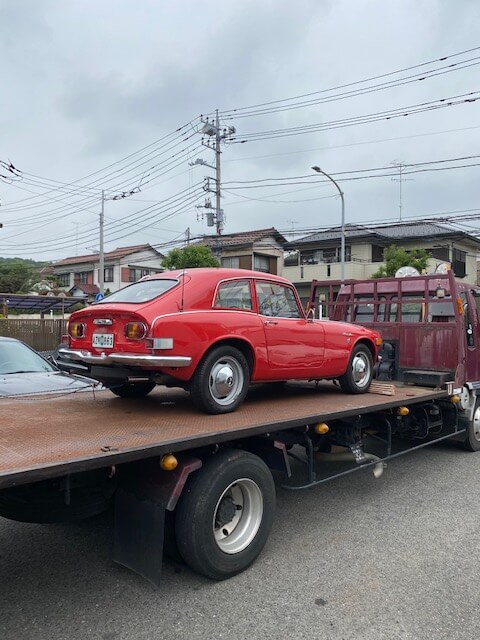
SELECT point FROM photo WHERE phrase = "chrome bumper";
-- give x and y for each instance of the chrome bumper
(133, 359)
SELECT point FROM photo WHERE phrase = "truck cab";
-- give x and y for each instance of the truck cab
(430, 325)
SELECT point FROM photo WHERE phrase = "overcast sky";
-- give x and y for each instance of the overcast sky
(93, 92)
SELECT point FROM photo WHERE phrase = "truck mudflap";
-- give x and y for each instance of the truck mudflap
(140, 505)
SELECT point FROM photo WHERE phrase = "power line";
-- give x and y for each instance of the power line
(238, 111)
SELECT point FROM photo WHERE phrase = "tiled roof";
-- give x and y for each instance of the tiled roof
(109, 255)
(89, 289)
(387, 233)
(242, 238)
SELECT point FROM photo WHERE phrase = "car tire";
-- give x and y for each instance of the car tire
(220, 382)
(133, 389)
(359, 373)
(225, 514)
(472, 437)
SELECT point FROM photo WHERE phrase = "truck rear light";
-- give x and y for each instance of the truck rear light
(135, 330)
(76, 329)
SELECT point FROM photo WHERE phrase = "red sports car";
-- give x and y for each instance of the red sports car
(214, 332)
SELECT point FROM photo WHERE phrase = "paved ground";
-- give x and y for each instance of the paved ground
(354, 559)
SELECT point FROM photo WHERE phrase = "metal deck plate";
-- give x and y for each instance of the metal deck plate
(48, 437)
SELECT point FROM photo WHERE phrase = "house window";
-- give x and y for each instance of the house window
(82, 278)
(63, 279)
(440, 253)
(261, 263)
(377, 253)
(328, 255)
(459, 266)
(231, 263)
(135, 274)
(108, 274)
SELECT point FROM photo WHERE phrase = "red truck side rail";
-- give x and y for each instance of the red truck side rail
(431, 321)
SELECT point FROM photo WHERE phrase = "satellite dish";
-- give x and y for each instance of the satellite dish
(443, 268)
(403, 272)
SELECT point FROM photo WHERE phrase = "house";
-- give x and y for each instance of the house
(261, 250)
(85, 291)
(121, 266)
(317, 256)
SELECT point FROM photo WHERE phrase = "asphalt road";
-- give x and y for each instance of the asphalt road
(355, 559)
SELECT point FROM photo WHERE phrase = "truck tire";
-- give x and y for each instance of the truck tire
(225, 514)
(133, 389)
(220, 382)
(359, 373)
(472, 438)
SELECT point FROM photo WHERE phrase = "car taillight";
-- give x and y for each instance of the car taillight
(135, 330)
(76, 329)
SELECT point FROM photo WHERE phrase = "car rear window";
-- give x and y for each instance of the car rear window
(141, 291)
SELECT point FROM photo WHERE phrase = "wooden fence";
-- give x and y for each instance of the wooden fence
(42, 335)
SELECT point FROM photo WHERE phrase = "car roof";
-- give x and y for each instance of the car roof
(218, 273)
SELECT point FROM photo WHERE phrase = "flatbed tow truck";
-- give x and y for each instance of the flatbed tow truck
(202, 487)
(202, 484)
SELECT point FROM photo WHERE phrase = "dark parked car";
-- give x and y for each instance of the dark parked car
(23, 371)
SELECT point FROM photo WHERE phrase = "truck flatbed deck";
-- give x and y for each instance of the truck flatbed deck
(49, 437)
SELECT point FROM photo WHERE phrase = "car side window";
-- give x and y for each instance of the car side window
(234, 294)
(276, 300)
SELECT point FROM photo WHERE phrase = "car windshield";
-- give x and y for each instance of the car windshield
(16, 357)
(141, 291)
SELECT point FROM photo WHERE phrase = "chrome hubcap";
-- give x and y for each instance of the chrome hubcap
(226, 380)
(361, 369)
(476, 424)
(238, 516)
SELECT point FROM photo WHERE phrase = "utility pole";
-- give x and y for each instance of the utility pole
(219, 218)
(400, 166)
(101, 254)
(215, 216)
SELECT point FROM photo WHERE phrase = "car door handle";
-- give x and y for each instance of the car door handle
(270, 322)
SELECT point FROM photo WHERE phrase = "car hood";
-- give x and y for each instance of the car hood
(14, 384)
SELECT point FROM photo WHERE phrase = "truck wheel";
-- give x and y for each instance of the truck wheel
(220, 382)
(359, 373)
(472, 438)
(225, 514)
(133, 389)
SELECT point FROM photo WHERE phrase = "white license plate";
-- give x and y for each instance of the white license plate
(102, 340)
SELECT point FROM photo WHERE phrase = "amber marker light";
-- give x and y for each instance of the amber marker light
(322, 428)
(168, 462)
(455, 399)
(135, 330)
(403, 411)
(76, 329)
(460, 306)
(378, 342)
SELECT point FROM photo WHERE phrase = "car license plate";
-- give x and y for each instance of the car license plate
(102, 340)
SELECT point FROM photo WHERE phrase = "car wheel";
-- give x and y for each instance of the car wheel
(225, 514)
(220, 382)
(359, 373)
(472, 438)
(132, 389)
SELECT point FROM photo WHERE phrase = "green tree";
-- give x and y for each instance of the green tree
(396, 257)
(16, 276)
(190, 257)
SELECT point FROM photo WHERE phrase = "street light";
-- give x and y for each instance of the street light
(342, 242)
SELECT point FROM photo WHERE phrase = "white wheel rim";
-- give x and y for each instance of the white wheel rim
(361, 369)
(238, 516)
(226, 380)
(476, 424)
